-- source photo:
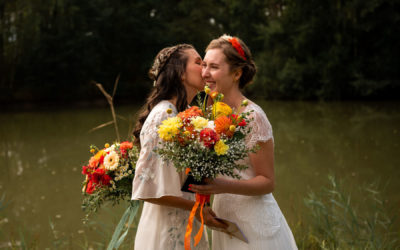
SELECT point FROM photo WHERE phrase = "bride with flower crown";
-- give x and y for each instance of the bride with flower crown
(227, 67)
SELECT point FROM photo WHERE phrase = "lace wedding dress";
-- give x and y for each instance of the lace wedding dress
(160, 227)
(259, 217)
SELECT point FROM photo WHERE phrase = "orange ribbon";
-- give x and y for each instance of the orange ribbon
(201, 199)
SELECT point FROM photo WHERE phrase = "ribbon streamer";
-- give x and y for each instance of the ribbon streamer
(201, 200)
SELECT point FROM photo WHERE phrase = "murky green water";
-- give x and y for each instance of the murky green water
(41, 154)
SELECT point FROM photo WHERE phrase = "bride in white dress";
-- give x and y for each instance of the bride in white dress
(177, 77)
(227, 68)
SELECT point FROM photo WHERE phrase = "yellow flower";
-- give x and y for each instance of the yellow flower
(245, 103)
(92, 150)
(169, 111)
(221, 148)
(232, 128)
(199, 123)
(221, 109)
(170, 128)
(98, 155)
(207, 90)
(106, 145)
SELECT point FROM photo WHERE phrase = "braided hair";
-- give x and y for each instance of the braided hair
(167, 71)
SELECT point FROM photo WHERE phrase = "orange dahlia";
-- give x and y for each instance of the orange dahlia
(222, 125)
(189, 113)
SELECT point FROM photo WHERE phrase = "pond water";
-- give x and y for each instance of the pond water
(41, 154)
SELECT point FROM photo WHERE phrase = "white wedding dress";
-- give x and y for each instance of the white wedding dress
(160, 227)
(259, 217)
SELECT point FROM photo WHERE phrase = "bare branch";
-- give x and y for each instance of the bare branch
(110, 101)
(101, 126)
(116, 84)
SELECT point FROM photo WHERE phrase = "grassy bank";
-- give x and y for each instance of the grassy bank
(335, 218)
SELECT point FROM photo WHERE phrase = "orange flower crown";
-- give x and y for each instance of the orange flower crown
(235, 44)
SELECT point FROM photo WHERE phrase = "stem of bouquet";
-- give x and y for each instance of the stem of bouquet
(110, 99)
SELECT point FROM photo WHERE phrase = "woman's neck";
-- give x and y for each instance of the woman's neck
(233, 98)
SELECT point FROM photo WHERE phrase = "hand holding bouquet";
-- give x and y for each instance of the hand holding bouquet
(205, 142)
(109, 174)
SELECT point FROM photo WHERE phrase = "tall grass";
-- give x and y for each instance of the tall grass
(335, 218)
(347, 219)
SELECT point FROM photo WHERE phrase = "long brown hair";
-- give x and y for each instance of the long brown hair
(167, 70)
(234, 59)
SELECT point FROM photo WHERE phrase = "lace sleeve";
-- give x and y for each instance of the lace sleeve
(154, 177)
(261, 127)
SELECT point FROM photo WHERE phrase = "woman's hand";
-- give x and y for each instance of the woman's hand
(209, 218)
(212, 186)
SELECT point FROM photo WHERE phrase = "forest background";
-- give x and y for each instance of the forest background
(51, 50)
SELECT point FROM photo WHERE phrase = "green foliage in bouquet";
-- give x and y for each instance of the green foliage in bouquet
(206, 141)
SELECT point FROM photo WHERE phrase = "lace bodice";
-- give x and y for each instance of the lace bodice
(261, 131)
(259, 217)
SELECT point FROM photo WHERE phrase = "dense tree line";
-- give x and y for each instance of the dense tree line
(335, 49)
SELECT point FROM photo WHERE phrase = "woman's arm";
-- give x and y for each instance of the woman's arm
(178, 202)
(262, 183)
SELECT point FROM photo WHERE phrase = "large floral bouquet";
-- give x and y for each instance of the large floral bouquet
(109, 174)
(205, 142)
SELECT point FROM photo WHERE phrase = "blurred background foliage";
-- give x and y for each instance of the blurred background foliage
(310, 50)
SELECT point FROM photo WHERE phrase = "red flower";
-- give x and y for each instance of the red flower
(106, 180)
(124, 146)
(240, 122)
(86, 170)
(100, 177)
(90, 187)
(208, 137)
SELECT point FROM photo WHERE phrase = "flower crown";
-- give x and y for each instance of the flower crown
(236, 45)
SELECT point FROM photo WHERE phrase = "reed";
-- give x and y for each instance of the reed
(344, 219)
(335, 218)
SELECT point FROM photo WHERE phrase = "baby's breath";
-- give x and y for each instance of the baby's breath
(203, 161)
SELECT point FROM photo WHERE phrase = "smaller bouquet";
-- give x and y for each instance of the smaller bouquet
(205, 142)
(109, 174)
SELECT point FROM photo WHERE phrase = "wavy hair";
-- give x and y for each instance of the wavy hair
(167, 70)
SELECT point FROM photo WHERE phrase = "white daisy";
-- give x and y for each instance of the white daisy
(111, 161)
